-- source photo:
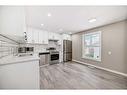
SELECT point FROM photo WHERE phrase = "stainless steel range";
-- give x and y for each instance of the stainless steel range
(54, 56)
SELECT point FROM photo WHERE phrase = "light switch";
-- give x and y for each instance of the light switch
(109, 53)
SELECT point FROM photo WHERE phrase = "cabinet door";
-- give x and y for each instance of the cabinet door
(60, 39)
(41, 37)
(51, 35)
(56, 36)
(35, 36)
(42, 60)
(29, 36)
(45, 37)
(66, 37)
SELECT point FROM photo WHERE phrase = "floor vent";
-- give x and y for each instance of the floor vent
(91, 67)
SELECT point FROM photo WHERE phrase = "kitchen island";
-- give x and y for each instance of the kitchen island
(19, 72)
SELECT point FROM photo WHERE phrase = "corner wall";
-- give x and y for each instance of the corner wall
(114, 39)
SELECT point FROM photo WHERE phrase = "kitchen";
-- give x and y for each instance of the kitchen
(42, 47)
(36, 53)
(26, 44)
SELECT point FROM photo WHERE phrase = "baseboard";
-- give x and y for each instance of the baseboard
(109, 70)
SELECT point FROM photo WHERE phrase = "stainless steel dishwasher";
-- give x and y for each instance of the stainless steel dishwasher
(44, 58)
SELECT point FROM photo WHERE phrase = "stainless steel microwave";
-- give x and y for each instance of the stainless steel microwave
(25, 49)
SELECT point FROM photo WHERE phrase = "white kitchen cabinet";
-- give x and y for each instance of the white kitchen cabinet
(66, 37)
(12, 21)
(29, 35)
(50, 35)
(60, 39)
(37, 36)
(22, 75)
(54, 36)
(43, 37)
(32, 35)
(40, 37)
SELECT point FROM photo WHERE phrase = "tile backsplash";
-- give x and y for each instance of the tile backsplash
(7, 46)
(41, 47)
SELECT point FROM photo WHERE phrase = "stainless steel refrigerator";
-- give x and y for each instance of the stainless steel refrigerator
(67, 50)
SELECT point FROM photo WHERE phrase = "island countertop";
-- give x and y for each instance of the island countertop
(16, 59)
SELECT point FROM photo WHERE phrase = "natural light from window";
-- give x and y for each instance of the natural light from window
(92, 46)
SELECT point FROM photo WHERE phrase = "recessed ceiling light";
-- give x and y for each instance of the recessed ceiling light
(49, 14)
(42, 24)
(92, 20)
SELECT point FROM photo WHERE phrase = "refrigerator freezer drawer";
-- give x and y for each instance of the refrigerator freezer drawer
(67, 57)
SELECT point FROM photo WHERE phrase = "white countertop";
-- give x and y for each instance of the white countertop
(15, 59)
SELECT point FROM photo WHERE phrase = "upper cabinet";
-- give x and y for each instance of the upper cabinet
(66, 37)
(36, 36)
(54, 36)
(43, 37)
(12, 21)
(51, 35)
(29, 33)
(57, 36)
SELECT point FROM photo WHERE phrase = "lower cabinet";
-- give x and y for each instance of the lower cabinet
(23, 75)
(44, 59)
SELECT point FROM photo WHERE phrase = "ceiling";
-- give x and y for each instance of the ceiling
(73, 19)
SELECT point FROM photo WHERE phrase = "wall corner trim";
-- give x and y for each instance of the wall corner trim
(109, 70)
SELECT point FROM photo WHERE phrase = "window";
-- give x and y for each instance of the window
(92, 46)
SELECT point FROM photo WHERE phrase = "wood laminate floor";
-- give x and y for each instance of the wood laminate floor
(72, 75)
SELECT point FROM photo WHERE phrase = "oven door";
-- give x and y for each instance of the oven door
(54, 57)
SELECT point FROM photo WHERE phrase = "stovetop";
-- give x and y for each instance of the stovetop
(54, 51)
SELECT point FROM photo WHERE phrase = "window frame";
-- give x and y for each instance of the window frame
(84, 46)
